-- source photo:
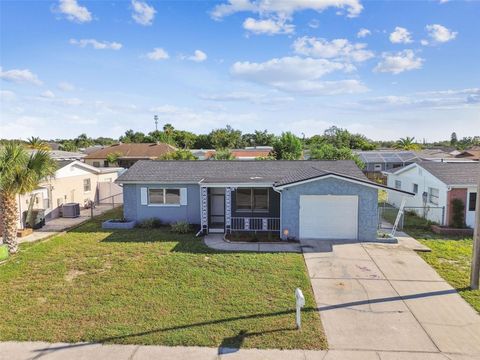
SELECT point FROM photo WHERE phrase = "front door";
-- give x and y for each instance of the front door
(217, 208)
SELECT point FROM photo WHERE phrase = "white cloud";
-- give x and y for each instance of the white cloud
(248, 96)
(445, 99)
(143, 13)
(73, 11)
(158, 54)
(198, 56)
(295, 74)
(20, 76)
(98, 45)
(363, 33)
(337, 48)
(438, 34)
(284, 8)
(399, 62)
(65, 86)
(48, 94)
(400, 36)
(7, 95)
(268, 26)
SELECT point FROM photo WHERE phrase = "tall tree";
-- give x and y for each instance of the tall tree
(453, 139)
(180, 154)
(83, 141)
(226, 138)
(20, 173)
(259, 138)
(288, 147)
(223, 154)
(407, 143)
(330, 152)
(36, 143)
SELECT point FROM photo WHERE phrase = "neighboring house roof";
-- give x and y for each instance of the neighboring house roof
(432, 154)
(368, 157)
(470, 154)
(450, 173)
(63, 163)
(63, 155)
(133, 151)
(250, 153)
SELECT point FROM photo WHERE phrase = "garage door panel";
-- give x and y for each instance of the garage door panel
(328, 217)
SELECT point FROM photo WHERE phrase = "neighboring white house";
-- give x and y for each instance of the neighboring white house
(435, 185)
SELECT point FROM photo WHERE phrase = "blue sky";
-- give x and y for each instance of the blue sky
(385, 69)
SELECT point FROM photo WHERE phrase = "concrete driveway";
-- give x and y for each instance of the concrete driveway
(384, 297)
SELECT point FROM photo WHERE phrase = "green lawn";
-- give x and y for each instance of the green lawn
(153, 287)
(452, 259)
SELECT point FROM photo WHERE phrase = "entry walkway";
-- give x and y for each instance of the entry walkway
(217, 242)
(385, 298)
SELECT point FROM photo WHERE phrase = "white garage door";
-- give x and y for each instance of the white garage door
(328, 217)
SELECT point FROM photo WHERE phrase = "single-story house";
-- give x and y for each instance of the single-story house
(297, 199)
(128, 154)
(74, 181)
(435, 185)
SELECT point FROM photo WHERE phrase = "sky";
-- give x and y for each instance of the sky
(387, 69)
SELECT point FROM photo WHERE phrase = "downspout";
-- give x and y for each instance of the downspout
(281, 204)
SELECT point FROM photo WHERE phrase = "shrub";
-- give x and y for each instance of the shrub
(458, 209)
(180, 227)
(151, 223)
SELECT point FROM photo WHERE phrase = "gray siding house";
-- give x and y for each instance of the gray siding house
(297, 199)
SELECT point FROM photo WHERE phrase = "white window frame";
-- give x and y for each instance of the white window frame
(413, 188)
(164, 204)
(432, 197)
(398, 184)
(89, 182)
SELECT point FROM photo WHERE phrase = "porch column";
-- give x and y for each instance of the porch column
(204, 208)
(228, 209)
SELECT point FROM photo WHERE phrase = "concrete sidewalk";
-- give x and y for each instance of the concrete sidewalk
(46, 351)
(379, 297)
(217, 242)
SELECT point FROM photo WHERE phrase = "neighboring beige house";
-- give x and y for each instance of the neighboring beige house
(128, 154)
(76, 182)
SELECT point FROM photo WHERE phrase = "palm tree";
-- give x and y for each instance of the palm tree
(223, 154)
(36, 143)
(407, 143)
(20, 173)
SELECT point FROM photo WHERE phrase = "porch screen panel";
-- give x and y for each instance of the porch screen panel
(260, 199)
(244, 199)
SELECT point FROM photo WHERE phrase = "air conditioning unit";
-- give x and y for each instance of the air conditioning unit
(71, 210)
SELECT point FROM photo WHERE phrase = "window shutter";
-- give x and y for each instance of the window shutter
(183, 196)
(143, 196)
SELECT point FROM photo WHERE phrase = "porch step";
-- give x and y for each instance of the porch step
(216, 231)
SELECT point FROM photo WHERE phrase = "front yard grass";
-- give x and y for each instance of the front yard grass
(153, 287)
(452, 259)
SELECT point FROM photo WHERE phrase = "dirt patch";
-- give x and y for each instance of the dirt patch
(72, 274)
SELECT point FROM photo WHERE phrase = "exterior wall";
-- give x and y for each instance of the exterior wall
(273, 208)
(134, 210)
(424, 180)
(460, 194)
(367, 204)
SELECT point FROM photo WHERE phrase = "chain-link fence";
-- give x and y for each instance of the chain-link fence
(413, 217)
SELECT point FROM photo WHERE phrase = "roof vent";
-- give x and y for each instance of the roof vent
(256, 177)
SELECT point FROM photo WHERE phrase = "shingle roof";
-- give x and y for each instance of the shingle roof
(133, 150)
(454, 173)
(276, 172)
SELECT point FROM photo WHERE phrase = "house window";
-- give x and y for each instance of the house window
(433, 196)
(398, 184)
(377, 167)
(96, 163)
(164, 196)
(253, 199)
(87, 185)
(415, 188)
(472, 201)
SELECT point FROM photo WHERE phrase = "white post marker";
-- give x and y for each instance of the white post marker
(300, 303)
